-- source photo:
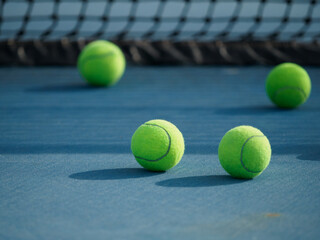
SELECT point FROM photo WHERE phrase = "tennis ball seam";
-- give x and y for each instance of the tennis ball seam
(241, 155)
(169, 137)
(286, 88)
(94, 57)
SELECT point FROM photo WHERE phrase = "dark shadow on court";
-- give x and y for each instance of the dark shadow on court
(64, 148)
(302, 151)
(200, 181)
(70, 87)
(116, 108)
(251, 110)
(309, 152)
(114, 174)
(91, 148)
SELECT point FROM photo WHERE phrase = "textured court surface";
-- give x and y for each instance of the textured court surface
(66, 170)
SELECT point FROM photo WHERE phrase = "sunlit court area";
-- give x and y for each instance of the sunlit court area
(159, 119)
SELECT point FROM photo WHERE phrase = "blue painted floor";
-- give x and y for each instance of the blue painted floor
(67, 172)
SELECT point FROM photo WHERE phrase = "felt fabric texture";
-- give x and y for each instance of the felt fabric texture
(288, 85)
(157, 145)
(244, 152)
(101, 63)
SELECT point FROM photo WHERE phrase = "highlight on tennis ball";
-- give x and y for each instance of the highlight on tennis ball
(244, 152)
(157, 145)
(288, 85)
(101, 63)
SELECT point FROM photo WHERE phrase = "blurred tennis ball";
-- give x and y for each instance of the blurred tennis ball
(101, 63)
(288, 85)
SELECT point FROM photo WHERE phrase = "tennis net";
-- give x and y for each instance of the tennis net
(197, 32)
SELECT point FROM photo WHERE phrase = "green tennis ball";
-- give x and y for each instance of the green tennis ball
(244, 152)
(288, 85)
(101, 63)
(157, 145)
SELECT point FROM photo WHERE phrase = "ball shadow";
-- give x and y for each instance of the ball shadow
(70, 87)
(251, 110)
(200, 181)
(309, 152)
(113, 174)
(63, 148)
(311, 156)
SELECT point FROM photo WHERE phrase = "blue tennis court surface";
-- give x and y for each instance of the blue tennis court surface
(67, 172)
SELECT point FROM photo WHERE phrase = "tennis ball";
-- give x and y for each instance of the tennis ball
(244, 152)
(157, 145)
(101, 63)
(288, 85)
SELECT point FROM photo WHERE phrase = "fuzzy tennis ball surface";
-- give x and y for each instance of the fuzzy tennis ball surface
(157, 145)
(101, 63)
(244, 152)
(288, 85)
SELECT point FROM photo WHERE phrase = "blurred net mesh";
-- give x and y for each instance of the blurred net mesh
(202, 32)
